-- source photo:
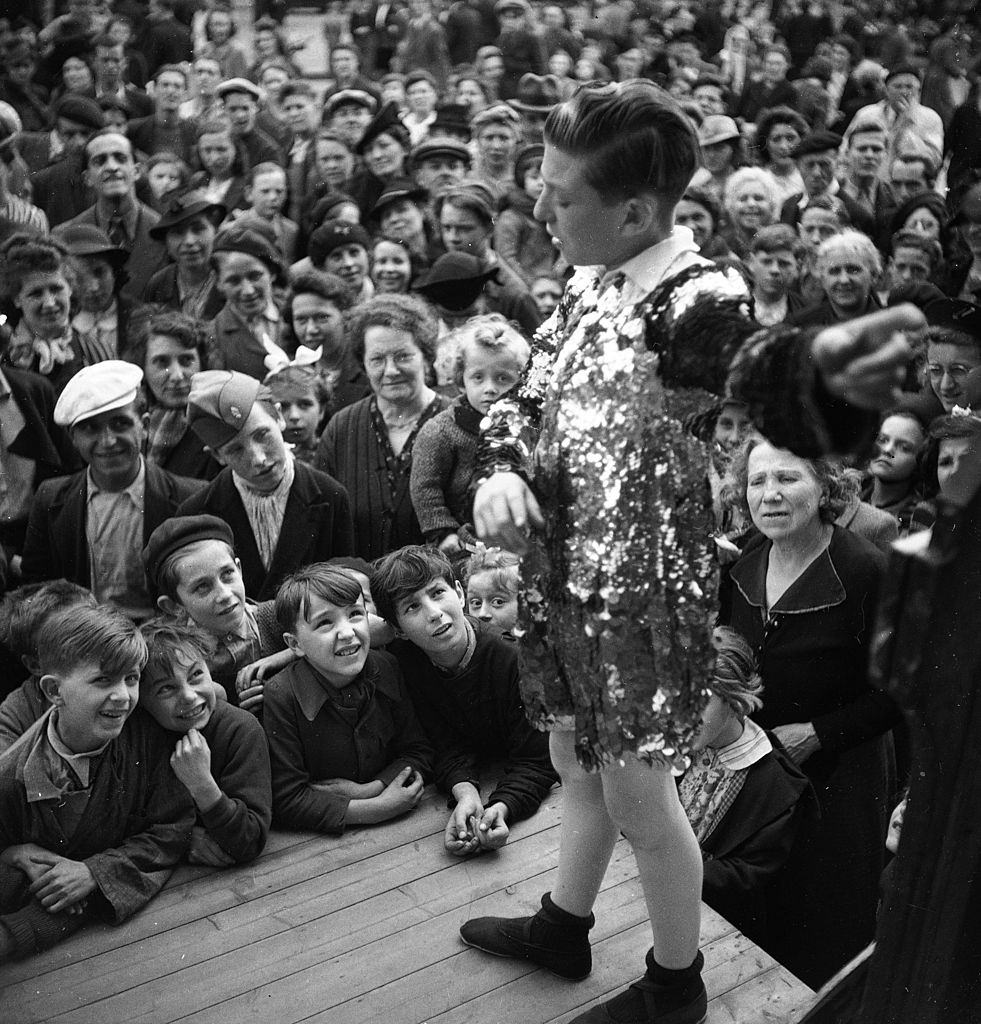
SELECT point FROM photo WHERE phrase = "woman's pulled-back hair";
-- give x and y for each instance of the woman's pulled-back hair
(633, 135)
(735, 678)
(401, 313)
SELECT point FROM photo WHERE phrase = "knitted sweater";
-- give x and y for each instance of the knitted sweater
(443, 462)
(476, 718)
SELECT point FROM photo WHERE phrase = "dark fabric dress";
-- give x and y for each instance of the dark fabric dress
(813, 652)
(354, 449)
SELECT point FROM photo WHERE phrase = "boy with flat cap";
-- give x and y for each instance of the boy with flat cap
(283, 513)
(90, 527)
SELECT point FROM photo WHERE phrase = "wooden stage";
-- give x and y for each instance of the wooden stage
(362, 929)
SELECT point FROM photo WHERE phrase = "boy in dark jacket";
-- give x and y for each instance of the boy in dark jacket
(345, 744)
(464, 683)
(92, 821)
(221, 756)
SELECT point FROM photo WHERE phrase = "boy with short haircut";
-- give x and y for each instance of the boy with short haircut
(266, 194)
(344, 742)
(221, 756)
(490, 355)
(91, 820)
(464, 683)
(360, 570)
(191, 566)
(24, 614)
(774, 264)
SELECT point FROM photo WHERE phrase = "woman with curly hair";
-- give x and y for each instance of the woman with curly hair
(170, 348)
(803, 594)
(37, 284)
(368, 446)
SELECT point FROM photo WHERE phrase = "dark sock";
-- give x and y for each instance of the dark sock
(673, 989)
(552, 924)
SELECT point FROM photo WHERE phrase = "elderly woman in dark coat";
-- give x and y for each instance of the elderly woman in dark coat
(803, 594)
(368, 446)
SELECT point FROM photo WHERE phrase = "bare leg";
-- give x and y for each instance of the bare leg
(643, 802)
(588, 833)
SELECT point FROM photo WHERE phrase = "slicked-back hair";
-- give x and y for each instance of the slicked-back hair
(399, 574)
(735, 678)
(86, 635)
(634, 136)
(329, 582)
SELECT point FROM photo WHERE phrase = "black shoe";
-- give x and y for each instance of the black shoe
(553, 939)
(652, 1001)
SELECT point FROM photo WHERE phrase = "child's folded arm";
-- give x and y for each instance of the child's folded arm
(297, 802)
(239, 822)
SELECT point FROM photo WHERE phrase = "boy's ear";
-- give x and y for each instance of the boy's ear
(293, 644)
(169, 606)
(51, 688)
(460, 594)
(31, 663)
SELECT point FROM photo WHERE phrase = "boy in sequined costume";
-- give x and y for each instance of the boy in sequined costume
(589, 451)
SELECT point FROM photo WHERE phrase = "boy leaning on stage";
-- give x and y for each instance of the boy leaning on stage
(92, 821)
(463, 678)
(220, 755)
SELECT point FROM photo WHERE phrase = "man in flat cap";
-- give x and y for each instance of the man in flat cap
(91, 527)
(283, 513)
(240, 99)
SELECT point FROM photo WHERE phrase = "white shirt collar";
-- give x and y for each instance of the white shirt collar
(752, 746)
(649, 268)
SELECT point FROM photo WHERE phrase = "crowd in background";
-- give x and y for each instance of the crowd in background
(257, 317)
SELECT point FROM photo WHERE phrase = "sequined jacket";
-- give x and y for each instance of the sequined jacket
(620, 586)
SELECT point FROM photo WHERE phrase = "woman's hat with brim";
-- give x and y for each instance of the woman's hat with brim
(455, 280)
(89, 240)
(717, 128)
(182, 208)
(954, 314)
(257, 240)
(386, 121)
(394, 191)
(537, 94)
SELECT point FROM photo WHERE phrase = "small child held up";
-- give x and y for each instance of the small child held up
(344, 741)
(302, 396)
(490, 357)
(492, 581)
(92, 821)
(221, 756)
(464, 683)
(166, 175)
(742, 794)
(24, 614)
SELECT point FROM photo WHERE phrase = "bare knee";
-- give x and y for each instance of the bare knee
(643, 802)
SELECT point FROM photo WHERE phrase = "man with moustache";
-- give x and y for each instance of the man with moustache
(111, 171)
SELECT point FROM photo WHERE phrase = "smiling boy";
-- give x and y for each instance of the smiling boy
(345, 745)
(221, 757)
(464, 681)
(91, 821)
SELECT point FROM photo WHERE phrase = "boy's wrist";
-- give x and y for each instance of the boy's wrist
(205, 794)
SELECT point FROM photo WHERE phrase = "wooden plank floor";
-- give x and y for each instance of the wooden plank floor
(362, 929)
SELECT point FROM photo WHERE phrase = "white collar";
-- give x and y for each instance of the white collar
(649, 268)
(752, 746)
